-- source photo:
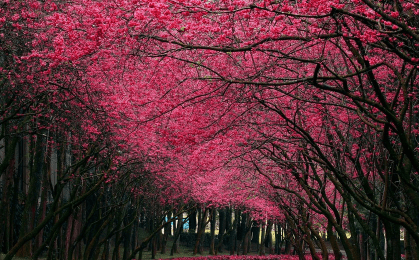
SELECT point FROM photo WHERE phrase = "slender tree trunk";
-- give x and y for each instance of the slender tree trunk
(222, 230)
(68, 234)
(213, 222)
(192, 222)
(334, 242)
(202, 223)
(7, 153)
(277, 239)
(233, 234)
(116, 251)
(28, 217)
(128, 218)
(268, 239)
(393, 240)
(167, 232)
(38, 239)
(175, 246)
(287, 238)
(5, 208)
(107, 246)
(154, 247)
(363, 244)
(263, 236)
(247, 233)
(255, 235)
(134, 235)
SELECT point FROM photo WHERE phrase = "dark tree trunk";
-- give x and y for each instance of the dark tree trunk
(363, 244)
(268, 238)
(334, 242)
(154, 246)
(175, 246)
(222, 229)
(134, 235)
(233, 234)
(6, 176)
(255, 234)
(263, 237)
(167, 232)
(107, 247)
(247, 232)
(127, 233)
(277, 239)
(229, 226)
(202, 223)
(393, 240)
(28, 217)
(116, 251)
(192, 222)
(229, 221)
(213, 222)
(241, 226)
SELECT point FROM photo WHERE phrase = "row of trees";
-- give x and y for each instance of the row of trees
(68, 186)
(301, 112)
(327, 91)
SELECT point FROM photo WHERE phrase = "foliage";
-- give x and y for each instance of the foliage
(302, 113)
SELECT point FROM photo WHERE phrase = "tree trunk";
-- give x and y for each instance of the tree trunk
(268, 239)
(154, 246)
(363, 244)
(134, 235)
(28, 216)
(213, 222)
(233, 234)
(127, 234)
(277, 239)
(202, 223)
(167, 232)
(247, 232)
(116, 251)
(5, 216)
(393, 240)
(192, 222)
(175, 246)
(107, 247)
(255, 235)
(263, 236)
(222, 229)
(333, 241)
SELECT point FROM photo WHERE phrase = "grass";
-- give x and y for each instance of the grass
(184, 251)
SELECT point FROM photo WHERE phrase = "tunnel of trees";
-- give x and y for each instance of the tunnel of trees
(122, 120)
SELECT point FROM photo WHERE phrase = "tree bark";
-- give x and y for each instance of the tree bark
(175, 246)
(202, 223)
(263, 236)
(212, 239)
(192, 222)
(233, 234)
(222, 229)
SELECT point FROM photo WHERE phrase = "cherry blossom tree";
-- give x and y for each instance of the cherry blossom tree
(301, 110)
